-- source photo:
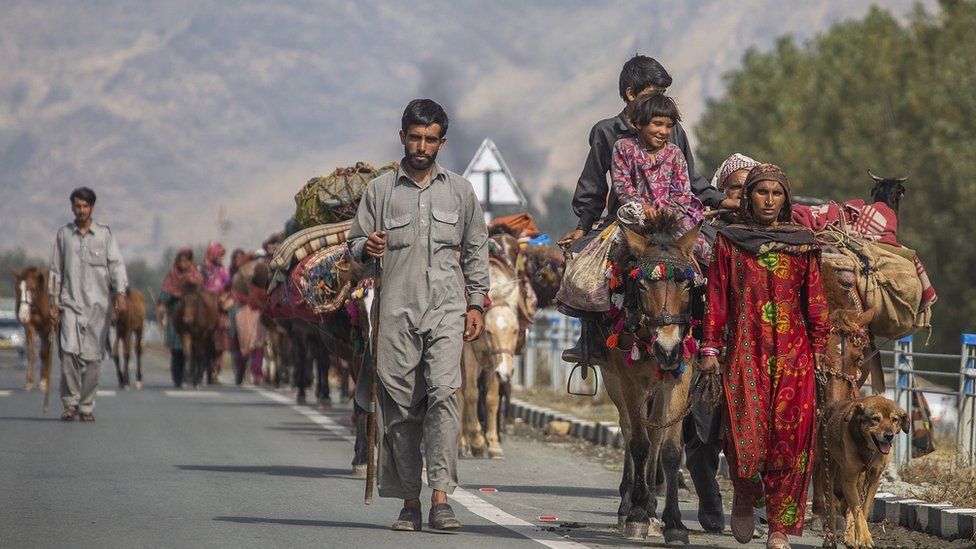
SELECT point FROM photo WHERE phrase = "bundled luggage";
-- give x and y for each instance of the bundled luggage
(335, 197)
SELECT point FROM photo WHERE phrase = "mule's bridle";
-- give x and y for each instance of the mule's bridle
(646, 269)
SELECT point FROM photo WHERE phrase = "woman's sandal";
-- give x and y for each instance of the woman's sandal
(777, 540)
(69, 413)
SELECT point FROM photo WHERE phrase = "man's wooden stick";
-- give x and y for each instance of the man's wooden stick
(371, 413)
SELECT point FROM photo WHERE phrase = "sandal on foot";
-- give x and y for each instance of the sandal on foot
(69, 413)
(87, 417)
(410, 520)
(743, 520)
(442, 518)
(777, 540)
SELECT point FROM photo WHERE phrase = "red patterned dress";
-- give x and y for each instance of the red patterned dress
(771, 311)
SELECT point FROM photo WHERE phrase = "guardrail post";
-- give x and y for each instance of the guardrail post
(903, 397)
(966, 403)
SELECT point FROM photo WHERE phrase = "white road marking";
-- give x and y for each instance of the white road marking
(105, 393)
(468, 500)
(5, 392)
(191, 394)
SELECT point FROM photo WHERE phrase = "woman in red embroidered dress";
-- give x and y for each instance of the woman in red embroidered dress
(766, 308)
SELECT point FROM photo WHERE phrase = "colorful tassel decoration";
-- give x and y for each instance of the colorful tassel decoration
(612, 341)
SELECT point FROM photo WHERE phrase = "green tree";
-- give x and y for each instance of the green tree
(872, 94)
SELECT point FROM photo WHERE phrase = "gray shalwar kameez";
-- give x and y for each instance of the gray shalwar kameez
(82, 266)
(421, 318)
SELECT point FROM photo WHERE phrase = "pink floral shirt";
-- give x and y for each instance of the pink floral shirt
(660, 180)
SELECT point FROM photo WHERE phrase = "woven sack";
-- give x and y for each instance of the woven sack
(323, 286)
(335, 197)
(889, 283)
(584, 285)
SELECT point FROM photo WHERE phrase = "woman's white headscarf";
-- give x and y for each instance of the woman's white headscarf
(731, 165)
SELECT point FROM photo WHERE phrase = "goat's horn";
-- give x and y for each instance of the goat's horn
(904, 179)
(874, 177)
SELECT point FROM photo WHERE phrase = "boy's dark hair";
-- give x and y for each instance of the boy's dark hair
(424, 112)
(648, 106)
(83, 193)
(640, 73)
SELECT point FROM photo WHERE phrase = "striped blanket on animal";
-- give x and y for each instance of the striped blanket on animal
(301, 245)
(875, 222)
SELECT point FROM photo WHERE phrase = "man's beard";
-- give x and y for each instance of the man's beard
(419, 165)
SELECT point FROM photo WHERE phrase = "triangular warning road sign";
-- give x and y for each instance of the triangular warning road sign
(492, 180)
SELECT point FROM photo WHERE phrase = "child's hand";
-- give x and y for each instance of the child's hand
(650, 212)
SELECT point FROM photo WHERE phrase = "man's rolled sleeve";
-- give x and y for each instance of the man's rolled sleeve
(55, 270)
(474, 250)
(116, 266)
(363, 224)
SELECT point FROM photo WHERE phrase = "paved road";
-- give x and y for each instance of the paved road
(240, 467)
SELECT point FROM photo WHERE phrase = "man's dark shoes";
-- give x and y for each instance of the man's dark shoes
(87, 417)
(442, 518)
(574, 355)
(69, 413)
(410, 520)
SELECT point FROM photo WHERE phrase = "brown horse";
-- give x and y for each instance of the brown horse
(196, 319)
(128, 327)
(34, 312)
(652, 394)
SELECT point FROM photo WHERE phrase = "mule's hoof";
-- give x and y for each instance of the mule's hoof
(496, 453)
(138, 386)
(636, 530)
(478, 452)
(676, 537)
(125, 387)
(28, 387)
(359, 471)
(621, 521)
(300, 400)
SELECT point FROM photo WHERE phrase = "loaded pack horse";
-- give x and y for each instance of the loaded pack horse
(650, 366)
(34, 312)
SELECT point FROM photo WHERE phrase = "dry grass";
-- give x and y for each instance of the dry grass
(942, 476)
(578, 406)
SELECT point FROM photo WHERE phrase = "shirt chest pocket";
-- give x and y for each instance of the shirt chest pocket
(97, 255)
(399, 231)
(445, 228)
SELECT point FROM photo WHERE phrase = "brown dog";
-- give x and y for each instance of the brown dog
(859, 436)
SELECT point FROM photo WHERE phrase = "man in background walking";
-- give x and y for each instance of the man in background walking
(86, 270)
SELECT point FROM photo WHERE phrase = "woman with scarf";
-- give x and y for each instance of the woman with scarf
(216, 280)
(183, 272)
(766, 308)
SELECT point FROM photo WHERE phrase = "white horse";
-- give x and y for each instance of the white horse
(494, 352)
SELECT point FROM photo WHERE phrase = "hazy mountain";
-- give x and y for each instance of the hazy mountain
(174, 109)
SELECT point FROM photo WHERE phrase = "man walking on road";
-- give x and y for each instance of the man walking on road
(85, 261)
(417, 218)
